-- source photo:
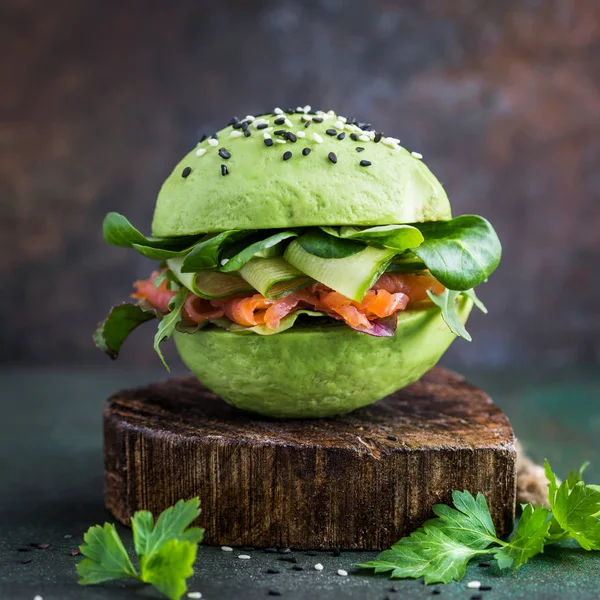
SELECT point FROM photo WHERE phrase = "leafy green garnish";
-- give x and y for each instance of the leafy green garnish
(261, 248)
(447, 303)
(440, 550)
(120, 322)
(169, 322)
(118, 231)
(460, 253)
(322, 244)
(395, 237)
(166, 550)
(207, 253)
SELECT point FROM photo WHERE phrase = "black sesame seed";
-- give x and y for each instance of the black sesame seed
(305, 151)
(203, 137)
(233, 120)
(332, 157)
(244, 125)
(287, 155)
(341, 136)
(436, 592)
(262, 126)
(367, 163)
(476, 597)
(290, 111)
(485, 588)
(214, 136)
(224, 154)
(331, 131)
(359, 148)
(394, 588)
(237, 125)
(246, 133)
(312, 553)
(297, 568)
(290, 559)
(279, 121)
(391, 437)
(336, 552)
(306, 124)
(484, 563)
(186, 172)
(268, 142)
(279, 132)
(354, 136)
(291, 137)
(378, 137)
(273, 571)
(274, 593)
(318, 119)
(224, 170)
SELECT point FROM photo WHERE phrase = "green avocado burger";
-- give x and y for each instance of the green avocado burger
(308, 265)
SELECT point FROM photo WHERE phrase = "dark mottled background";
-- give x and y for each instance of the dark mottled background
(100, 98)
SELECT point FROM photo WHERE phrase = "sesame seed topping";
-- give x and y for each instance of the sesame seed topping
(342, 573)
(235, 134)
(354, 137)
(318, 119)
(268, 142)
(201, 152)
(202, 138)
(186, 172)
(299, 109)
(305, 151)
(343, 119)
(262, 126)
(227, 548)
(266, 135)
(194, 595)
(331, 112)
(319, 567)
(249, 118)
(280, 141)
(339, 125)
(317, 138)
(287, 155)
(244, 556)
(331, 131)
(213, 142)
(300, 134)
(278, 111)
(341, 136)
(363, 138)
(332, 157)
(237, 125)
(307, 108)
(474, 585)
(288, 123)
(279, 121)
(307, 118)
(365, 163)
(224, 170)
(377, 137)
(224, 154)
(416, 154)
(359, 148)
(291, 137)
(246, 133)
(279, 132)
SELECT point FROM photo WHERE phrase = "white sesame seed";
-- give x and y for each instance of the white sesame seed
(236, 133)
(268, 130)
(258, 122)
(319, 567)
(288, 122)
(338, 125)
(227, 548)
(474, 585)
(307, 108)
(416, 154)
(278, 111)
(393, 140)
(320, 113)
(342, 573)
(213, 142)
(349, 127)
(201, 152)
(194, 595)
(279, 141)
(331, 112)
(363, 138)
(68, 536)
(317, 138)
(267, 135)
(306, 118)
(388, 141)
(342, 119)
(248, 118)
(300, 134)
(244, 556)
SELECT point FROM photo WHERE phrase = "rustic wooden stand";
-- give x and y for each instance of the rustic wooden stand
(359, 481)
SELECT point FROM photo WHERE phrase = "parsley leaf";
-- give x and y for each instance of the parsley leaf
(166, 550)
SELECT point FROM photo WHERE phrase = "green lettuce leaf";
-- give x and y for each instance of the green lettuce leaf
(319, 243)
(268, 247)
(447, 304)
(206, 254)
(120, 322)
(395, 237)
(460, 253)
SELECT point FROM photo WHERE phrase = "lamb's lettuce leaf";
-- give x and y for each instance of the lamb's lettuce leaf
(396, 237)
(265, 247)
(324, 245)
(447, 304)
(460, 253)
(207, 253)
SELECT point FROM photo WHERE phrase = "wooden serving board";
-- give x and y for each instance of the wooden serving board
(359, 481)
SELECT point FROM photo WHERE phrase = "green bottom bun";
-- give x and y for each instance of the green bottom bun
(308, 372)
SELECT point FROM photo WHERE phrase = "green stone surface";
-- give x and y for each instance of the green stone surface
(51, 486)
(261, 190)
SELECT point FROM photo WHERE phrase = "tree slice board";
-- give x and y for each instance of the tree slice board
(358, 481)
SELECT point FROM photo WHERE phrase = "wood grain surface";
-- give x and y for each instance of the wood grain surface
(358, 481)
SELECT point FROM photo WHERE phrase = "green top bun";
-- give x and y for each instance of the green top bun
(237, 181)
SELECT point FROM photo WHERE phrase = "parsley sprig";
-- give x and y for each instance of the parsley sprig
(166, 550)
(440, 550)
